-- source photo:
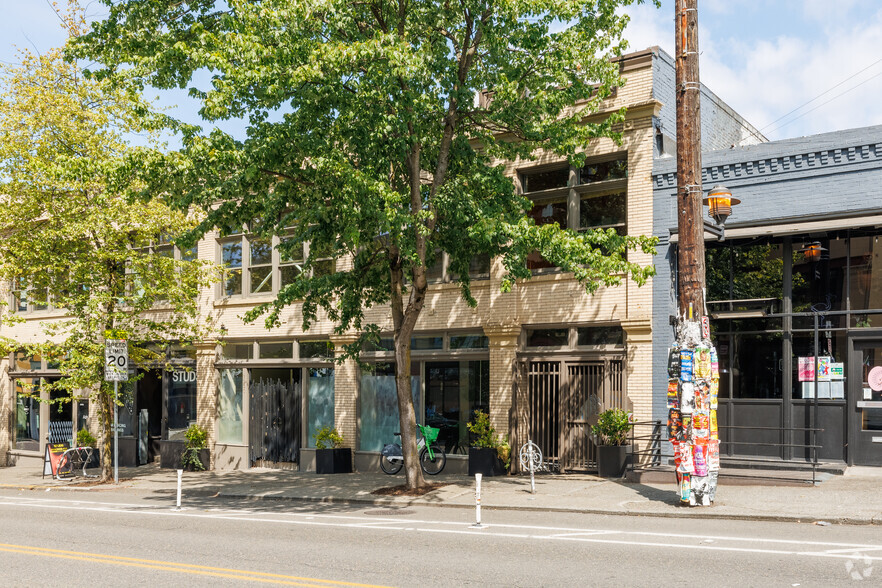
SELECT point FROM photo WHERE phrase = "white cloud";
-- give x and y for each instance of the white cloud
(766, 60)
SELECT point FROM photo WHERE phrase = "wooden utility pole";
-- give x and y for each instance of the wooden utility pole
(690, 231)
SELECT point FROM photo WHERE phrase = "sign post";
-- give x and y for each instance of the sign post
(116, 370)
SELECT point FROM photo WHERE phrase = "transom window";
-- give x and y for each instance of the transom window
(584, 337)
(304, 349)
(463, 341)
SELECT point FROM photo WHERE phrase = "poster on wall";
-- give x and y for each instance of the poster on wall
(825, 364)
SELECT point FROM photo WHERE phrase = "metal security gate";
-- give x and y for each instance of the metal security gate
(564, 400)
(275, 424)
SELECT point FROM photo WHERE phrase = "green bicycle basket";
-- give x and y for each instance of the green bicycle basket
(430, 434)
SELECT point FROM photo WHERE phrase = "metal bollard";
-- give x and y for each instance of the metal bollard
(532, 476)
(477, 524)
(180, 474)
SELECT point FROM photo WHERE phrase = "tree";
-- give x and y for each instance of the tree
(70, 241)
(365, 138)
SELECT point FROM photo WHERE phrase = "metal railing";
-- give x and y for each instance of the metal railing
(812, 447)
(647, 439)
(650, 454)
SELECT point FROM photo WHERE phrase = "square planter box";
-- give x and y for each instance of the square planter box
(333, 461)
(170, 455)
(611, 460)
(485, 461)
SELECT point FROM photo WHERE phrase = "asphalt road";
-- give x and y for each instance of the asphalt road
(111, 539)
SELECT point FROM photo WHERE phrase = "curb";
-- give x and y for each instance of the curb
(677, 512)
(686, 514)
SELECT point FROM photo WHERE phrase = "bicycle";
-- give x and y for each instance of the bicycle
(432, 458)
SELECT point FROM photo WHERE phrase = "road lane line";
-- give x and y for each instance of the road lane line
(235, 574)
(573, 534)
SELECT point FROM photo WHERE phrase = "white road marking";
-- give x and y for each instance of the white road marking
(527, 532)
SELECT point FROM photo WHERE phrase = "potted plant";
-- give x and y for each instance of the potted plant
(330, 455)
(87, 439)
(484, 453)
(611, 432)
(195, 456)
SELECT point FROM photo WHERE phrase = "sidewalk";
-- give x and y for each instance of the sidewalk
(853, 498)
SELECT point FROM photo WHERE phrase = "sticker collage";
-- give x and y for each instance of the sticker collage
(693, 387)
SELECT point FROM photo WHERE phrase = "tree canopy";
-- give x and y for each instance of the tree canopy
(366, 137)
(71, 245)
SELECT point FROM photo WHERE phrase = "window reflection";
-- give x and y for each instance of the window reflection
(865, 280)
(745, 272)
(819, 280)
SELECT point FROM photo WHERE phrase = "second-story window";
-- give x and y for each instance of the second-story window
(26, 299)
(256, 265)
(592, 197)
(260, 265)
(231, 260)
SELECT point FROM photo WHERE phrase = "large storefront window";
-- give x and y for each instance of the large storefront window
(379, 406)
(229, 408)
(770, 300)
(320, 402)
(819, 284)
(454, 391)
(865, 280)
(750, 365)
(753, 272)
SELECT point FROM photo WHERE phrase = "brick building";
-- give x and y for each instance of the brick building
(542, 359)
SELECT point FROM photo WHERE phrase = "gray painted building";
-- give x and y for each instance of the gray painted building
(805, 240)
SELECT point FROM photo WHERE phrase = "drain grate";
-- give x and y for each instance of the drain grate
(385, 512)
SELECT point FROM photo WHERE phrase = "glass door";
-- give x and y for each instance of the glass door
(865, 403)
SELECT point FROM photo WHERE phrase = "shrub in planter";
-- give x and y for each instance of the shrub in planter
(611, 431)
(488, 455)
(197, 442)
(330, 456)
(87, 439)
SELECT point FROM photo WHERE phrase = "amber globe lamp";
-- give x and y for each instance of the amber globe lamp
(720, 202)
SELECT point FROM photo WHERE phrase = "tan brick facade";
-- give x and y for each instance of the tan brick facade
(554, 299)
(346, 395)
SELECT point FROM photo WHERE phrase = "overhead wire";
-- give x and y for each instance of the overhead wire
(758, 132)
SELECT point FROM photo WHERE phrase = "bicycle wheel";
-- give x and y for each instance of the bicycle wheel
(391, 467)
(433, 466)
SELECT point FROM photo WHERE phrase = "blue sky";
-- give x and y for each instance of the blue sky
(764, 58)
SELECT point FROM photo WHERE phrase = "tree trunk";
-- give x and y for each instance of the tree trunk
(413, 474)
(105, 415)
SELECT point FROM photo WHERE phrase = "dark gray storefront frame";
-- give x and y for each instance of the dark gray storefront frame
(789, 189)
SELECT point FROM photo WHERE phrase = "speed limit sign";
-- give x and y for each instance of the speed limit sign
(116, 360)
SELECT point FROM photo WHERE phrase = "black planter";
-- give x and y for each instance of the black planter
(333, 461)
(485, 461)
(611, 460)
(170, 453)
